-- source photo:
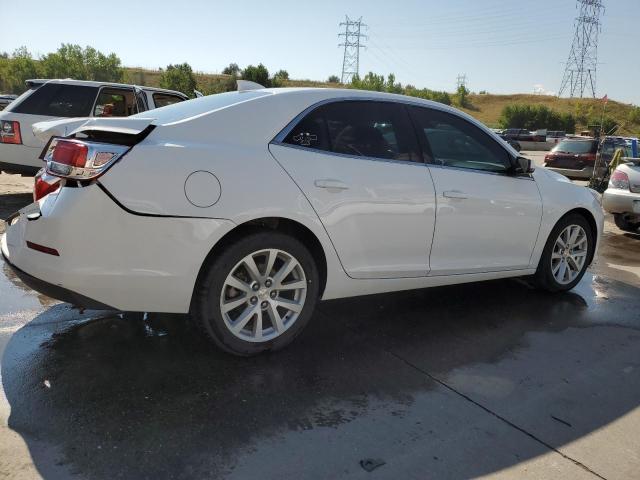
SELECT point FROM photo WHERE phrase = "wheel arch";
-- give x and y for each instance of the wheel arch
(280, 224)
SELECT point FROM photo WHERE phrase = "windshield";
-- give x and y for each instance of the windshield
(576, 146)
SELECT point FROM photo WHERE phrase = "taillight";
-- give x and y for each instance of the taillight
(44, 185)
(619, 180)
(79, 159)
(10, 132)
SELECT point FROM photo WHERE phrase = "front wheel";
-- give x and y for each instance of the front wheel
(566, 254)
(258, 294)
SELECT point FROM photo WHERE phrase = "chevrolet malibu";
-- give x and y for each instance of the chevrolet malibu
(245, 208)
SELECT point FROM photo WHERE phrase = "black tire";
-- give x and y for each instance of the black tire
(205, 305)
(543, 277)
(623, 224)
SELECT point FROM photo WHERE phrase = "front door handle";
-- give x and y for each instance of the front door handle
(331, 184)
(455, 194)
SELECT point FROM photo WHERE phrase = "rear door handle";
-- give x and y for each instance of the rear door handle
(455, 194)
(331, 184)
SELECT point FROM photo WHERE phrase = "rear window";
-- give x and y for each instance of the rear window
(576, 146)
(58, 100)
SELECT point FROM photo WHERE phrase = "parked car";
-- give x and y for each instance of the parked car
(245, 208)
(523, 135)
(622, 198)
(555, 136)
(573, 157)
(56, 99)
(6, 100)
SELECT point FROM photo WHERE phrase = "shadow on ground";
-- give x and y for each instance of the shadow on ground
(396, 377)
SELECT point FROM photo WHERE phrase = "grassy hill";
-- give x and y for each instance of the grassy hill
(486, 108)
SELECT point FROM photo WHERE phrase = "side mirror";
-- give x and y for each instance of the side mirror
(523, 166)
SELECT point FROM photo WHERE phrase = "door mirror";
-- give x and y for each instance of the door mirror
(523, 165)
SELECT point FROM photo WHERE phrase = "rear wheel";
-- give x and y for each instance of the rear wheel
(566, 254)
(624, 224)
(258, 294)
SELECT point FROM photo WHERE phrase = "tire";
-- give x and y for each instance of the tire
(545, 276)
(214, 291)
(623, 224)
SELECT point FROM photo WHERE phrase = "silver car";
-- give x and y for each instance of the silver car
(622, 198)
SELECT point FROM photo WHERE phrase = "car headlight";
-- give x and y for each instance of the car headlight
(596, 195)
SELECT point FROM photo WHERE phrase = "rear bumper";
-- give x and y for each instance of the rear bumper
(55, 291)
(20, 159)
(110, 258)
(621, 201)
(584, 173)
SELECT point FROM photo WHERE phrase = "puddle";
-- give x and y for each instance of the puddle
(16, 297)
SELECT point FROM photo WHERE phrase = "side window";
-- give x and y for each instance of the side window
(141, 102)
(114, 103)
(310, 132)
(454, 142)
(59, 100)
(164, 99)
(371, 129)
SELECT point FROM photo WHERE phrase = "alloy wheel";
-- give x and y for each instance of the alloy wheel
(569, 254)
(263, 295)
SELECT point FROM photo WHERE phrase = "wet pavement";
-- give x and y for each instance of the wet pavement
(492, 379)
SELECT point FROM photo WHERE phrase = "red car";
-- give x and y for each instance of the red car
(574, 157)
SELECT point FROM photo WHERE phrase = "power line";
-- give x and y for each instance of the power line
(580, 71)
(351, 43)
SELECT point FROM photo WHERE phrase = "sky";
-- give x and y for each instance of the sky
(507, 46)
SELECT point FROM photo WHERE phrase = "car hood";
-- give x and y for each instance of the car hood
(67, 126)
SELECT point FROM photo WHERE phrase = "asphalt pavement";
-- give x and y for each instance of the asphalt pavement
(491, 379)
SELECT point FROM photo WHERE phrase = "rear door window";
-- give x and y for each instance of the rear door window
(59, 100)
(576, 147)
(115, 102)
(164, 99)
(360, 128)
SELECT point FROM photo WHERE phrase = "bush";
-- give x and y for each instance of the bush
(533, 117)
(233, 69)
(179, 77)
(333, 79)
(372, 81)
(72, 61)
(258, 74)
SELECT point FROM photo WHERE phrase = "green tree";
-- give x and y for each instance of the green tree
(634, 115)
(533, 117)
(16, 69)
(462, 96)
(179, 77)
(73, 61)
(333, 79)
(258, 74)
(232, 69)
(282, 75)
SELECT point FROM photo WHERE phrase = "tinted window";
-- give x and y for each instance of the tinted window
(576, 146)
(164, 99)
(59, 100)
(361, 128)
(310, 132)
(453, 141)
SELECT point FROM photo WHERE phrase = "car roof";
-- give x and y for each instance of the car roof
(91, 83)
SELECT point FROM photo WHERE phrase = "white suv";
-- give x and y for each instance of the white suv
(55, 99)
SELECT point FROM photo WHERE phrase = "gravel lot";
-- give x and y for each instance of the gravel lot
(491, 379)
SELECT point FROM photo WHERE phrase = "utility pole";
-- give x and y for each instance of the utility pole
(351, 43)
(580, 71)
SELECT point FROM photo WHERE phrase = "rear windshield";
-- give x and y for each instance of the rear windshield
(576, 146)
(58, 100)
(199, 106)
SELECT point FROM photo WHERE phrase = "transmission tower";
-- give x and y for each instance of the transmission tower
(351, 43)
(580, 71)
(461, 81)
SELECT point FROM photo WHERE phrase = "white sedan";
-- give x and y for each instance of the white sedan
(245, 208)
